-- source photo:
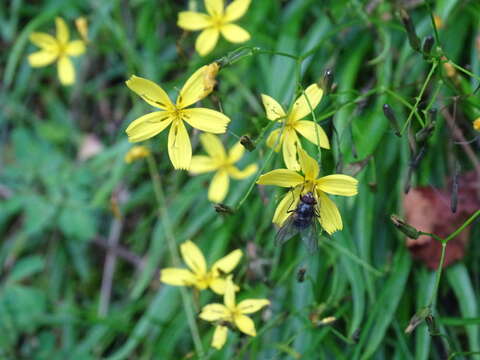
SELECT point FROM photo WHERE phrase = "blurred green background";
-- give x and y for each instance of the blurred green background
(59, 208)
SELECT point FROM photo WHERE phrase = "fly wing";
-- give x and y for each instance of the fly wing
(309, 236)
(287, 231)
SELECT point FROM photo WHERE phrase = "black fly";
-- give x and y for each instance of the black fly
(303, 221)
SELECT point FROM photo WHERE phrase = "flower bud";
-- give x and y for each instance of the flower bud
(405, 228)
(390, 115)
(427, 45)
(417, 319)
(410, 28)
(223, 209)
(327, 81)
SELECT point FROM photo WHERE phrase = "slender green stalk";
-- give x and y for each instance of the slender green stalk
(419, 97)
(444, 242)
(469, 73)
(165, 219)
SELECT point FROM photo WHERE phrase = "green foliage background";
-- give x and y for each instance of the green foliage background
(55, 210)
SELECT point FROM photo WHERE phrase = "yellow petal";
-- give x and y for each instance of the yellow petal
(179, 146)
(289, 149)
(235, 153)
(218, 187)
(281, 177)
(242, 174)
(275, 137)
(62, 30)
(206, 120)
(75, 48)
(301, 107)
(229, 296)
(250, 306)
(236, 9)
(330, 218)
(338, 184)
(82, 27)
(213, 146)
(44, 41)
(228, 262)
(273, 109)
(312, 132)
(193, 21)
(234, 33)
(193, 257)
(148, 125)
(288, 202)
(219, 337)
(177, 277)
(214, 7)
(218, 285)
(201, 164)
(66, 71)
(194, 89)
(42, 58)
(309, 166)
(214, 312)
(135, 153)
(150, 92)
(206, 41)
(245, 325)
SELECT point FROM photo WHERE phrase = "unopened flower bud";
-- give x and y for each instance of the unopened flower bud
(390, 115)
(223, 209)
(425, 133)
(410, 28)
(209, 77)
(428, 45)
(405, 228)
(327, 81)
(417, 319)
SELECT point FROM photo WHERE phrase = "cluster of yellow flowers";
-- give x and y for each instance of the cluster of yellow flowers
(301, 174)
(219, 280)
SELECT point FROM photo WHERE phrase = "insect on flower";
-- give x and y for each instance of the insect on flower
(302, 221)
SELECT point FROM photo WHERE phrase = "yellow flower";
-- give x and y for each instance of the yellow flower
(476, 124)
(58, 49)
(232, 313)
(135, 153)
(198, 275)
(217, 21)
(337, 184)
(287, 137)
(221, 162)
(147, 126)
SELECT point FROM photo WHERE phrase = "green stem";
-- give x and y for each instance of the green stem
(469, 73)
(419, 97)
(444, 242)
(463, 226)
(165, 219)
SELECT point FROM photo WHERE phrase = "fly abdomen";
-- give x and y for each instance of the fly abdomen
(303, 215)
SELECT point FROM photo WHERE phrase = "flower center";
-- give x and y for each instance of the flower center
(217, 22)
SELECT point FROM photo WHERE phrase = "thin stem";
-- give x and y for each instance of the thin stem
(444, 242)
(463, 226)
(165, 219)
(419, 97)
(458, 67)
(438, 275)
